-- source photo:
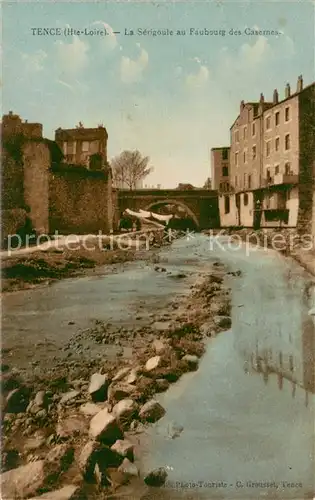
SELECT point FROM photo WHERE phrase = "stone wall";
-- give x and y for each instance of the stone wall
(11, 221)
(12, 181)
(24, 178)
(115, 209)
(36, 161)
(80, 201)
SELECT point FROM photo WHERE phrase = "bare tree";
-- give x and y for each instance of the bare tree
(207, 184)
(129, 168)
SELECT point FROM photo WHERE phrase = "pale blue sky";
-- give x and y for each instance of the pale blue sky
(173, 98)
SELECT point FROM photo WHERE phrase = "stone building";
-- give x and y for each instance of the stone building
(220, 164)
(25, 162)
(272, 162)
(12, 125)
(38, 186)
(83, 146)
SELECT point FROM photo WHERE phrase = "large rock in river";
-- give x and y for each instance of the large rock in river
(104, 427)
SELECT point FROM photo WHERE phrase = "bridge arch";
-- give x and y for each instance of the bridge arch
(168, 201)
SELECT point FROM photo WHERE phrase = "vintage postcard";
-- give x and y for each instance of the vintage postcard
(158, 250)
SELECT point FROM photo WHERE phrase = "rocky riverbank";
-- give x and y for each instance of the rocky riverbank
(71, 433)
(42, 267)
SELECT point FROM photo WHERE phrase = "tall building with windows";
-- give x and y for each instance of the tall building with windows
(272, 158)
(220, 164)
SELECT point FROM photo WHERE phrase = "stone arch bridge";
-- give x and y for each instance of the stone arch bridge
(200, 204)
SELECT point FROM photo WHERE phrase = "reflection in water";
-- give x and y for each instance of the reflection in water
(245, 413)
(292, 357)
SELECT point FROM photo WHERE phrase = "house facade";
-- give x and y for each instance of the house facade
(220, 165)
(83, 146)
(271, 162)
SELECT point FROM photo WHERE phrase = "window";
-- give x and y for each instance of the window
(226, 204)
(254, 152)
(85, 146)
(245, 199)
(288, 194)
(236, 159)
(220, 186)
(235, 182)
(71, 148)
(287, 114)
(287, 168)
(245, 132)
(276, 169)
(225, 171)
(268, 148)
(277, 143)
(277, 118)
(267, 201)
(268, 175)
(245, 178)
(237, 137)
(244, 157)
(268, 122)
(287, 141)
(225, 154)
(249, 181)
(253, 129)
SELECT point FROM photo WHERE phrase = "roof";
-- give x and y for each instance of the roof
(84, 133)
(220, 148)
(269, 105)
(255, 105)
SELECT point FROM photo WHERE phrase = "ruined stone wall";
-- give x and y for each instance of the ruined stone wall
(115, 209)
(79, 201)
(24, 182)
(36, 161)
(12, 173)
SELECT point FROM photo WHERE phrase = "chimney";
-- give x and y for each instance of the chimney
(300, 84)
(10, 113)
(261, 104)
(287, 91)
(275, 96)
(242, 105)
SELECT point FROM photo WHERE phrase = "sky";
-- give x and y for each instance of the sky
(171, 97)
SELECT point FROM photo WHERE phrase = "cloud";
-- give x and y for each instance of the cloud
(35, 61)
(252, 55)
(72, 57)
(75, 86)
(199, 79)
(109, 41)
(289, 46)
(131, 70)
(249, 59)
(65, 84)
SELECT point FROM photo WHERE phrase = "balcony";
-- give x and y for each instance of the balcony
(289, 178)
(278, 179)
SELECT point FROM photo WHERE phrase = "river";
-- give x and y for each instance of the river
(248, 412)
